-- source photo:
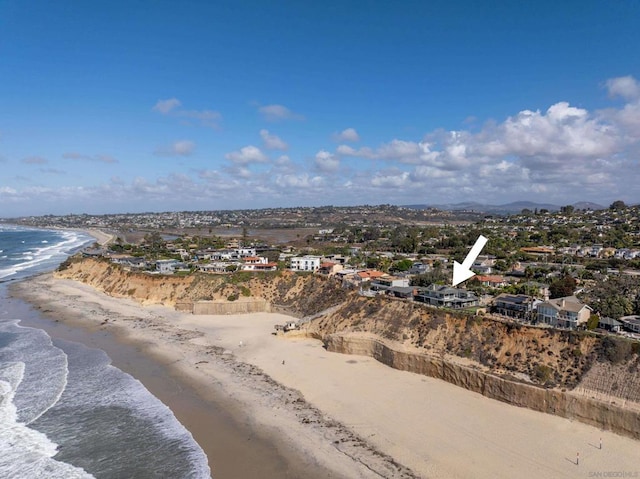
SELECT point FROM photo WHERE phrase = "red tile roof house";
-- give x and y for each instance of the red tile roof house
(258, 263)
(493, 281)
(368, 275)
(330, 269)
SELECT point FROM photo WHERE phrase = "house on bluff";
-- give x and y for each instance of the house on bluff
(568, 312)
(446, 296)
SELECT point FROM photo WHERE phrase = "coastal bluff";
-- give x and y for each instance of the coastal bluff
(578, 375)
(567, 404)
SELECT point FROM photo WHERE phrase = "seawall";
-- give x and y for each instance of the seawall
(605, 415)
(240, 306)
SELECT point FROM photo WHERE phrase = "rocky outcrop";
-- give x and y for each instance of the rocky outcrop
(609, 416)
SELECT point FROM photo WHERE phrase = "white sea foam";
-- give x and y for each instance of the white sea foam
(25, 452)
(120, 389)
(46, 256)
(45, 372)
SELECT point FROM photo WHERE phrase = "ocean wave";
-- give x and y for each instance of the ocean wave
(121, 410)
(25, 452)
(45, 373)
(46, 255)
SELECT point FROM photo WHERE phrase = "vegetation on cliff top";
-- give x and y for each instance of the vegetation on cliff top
(543, 356)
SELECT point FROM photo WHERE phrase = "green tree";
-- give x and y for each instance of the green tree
(567, 210)
(402, 265)
(562, 287)
(592, 322)
(155, 243)
(616, 306)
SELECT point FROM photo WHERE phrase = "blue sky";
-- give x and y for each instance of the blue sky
(110, 107)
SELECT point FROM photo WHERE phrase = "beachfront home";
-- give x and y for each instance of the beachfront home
(492, 281)
(167, 266)
(129, 261)
(305, 263)
(245, 252)
(518, 306)
(446, 296)
(383, 283)
(631, 323)
(609, 324)
(404, 292)
(258, 263)
(367, 276)
(568, 312)
(418, 268)
(217, 267)
(329, 268)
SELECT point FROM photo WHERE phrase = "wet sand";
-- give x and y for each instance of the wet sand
(246, 423)
(235, 448)
(349, 415)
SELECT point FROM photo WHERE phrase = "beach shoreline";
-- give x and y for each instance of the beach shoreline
(433, 428)
(231, 423)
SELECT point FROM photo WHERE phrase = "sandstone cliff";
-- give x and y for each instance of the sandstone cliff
(578, 375)
(296, 294)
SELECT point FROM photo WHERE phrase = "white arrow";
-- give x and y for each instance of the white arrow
(462, 272)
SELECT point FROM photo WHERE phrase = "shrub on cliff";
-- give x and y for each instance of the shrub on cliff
(616, 350)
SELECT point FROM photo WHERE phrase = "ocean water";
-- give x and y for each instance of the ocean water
(65, 411)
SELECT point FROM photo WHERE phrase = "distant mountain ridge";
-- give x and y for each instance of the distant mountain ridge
(513, 207)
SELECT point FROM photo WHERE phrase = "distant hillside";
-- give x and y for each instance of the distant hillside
(508, 208)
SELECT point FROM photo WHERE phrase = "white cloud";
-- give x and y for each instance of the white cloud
(363, 152)
(405, 151)
(8, 191)
(278, 113)
(398, 179)
(247, 155)
(283, 160)
(559, 154)
(208, 118)
(272, 142)
(327, 162)
(284, 165)
(401, 150)
(177, 148)
(299, 181)
(166, 106)
(96, 158)
(349, 134)
(563, 131)
(627, 87)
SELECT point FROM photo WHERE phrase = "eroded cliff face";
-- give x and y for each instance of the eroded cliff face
(572, 405)
(576, 375)
(300, 295)
(542, 356)
(115, 281)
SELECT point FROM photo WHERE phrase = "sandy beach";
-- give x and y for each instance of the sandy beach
(346, 416)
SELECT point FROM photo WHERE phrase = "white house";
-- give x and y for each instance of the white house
(568, 312)
(258, 263)
(386, 282)
(166, 266)
(305, 263)
(216, 267)
(244, 252)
